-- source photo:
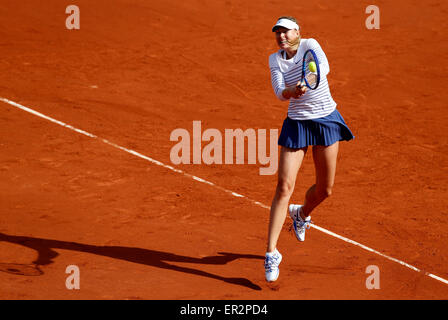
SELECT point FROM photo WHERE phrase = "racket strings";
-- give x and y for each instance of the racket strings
(310, 76)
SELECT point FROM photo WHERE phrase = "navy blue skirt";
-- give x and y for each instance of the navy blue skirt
(324, 131)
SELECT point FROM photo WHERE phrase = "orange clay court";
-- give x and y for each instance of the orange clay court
(137, 70)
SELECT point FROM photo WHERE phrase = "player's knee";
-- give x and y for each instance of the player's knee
(284, 188)
(328, 192)
(325, 192)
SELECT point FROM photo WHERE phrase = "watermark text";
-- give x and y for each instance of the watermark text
(225, 149)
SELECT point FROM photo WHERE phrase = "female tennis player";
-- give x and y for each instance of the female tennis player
(312, 120)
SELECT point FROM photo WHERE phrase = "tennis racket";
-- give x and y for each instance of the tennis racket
(310, 70)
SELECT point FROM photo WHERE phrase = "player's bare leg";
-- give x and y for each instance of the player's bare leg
(325, 159)
(289, 165)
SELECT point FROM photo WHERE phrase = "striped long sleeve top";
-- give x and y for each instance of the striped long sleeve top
(287, 72)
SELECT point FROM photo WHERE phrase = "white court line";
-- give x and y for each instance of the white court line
(15, 104)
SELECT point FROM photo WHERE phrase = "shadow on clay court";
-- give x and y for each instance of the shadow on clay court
(159, 259)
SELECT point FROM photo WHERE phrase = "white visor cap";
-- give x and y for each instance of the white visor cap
(286, 23)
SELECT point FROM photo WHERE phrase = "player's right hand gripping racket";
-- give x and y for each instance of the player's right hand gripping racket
(310, 70)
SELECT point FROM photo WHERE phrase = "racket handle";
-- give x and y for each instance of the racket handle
(302, 87)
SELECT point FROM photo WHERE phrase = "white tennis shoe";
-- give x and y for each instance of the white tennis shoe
(271, 264)
(300, 225)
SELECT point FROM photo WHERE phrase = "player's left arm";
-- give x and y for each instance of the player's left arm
(323, 61)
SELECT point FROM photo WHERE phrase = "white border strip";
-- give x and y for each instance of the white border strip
(17, 105)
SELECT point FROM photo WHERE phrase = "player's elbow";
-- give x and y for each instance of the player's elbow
(324, 69)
